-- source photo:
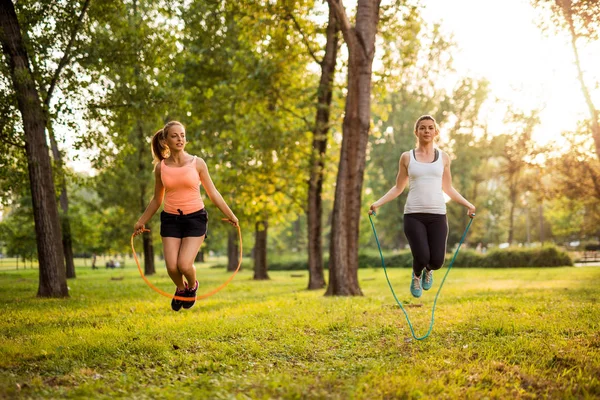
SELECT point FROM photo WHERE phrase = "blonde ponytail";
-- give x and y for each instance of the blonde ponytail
(159, 150)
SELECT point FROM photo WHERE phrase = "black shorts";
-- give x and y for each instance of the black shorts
(180, 225)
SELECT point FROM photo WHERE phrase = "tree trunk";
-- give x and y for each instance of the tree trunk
(200, 256)
(260, 251)
(233, 255)
(149, 268)
(52, 277)
(67, 241)
(511, 216)
(541, 214)
(343, 255)
(64, 200)
(316, 279)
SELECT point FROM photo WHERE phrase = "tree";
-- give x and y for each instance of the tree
(576, 181)
(581, 19)
(473, 153)
(248, 119)
(52, 278)
(360, 41)
(314, 211)
(51, 87)
(518, 153)
(139, 97)
(52, 36)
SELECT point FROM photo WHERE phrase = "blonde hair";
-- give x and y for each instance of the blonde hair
(430, 118)
(426, 117)
(159, 150)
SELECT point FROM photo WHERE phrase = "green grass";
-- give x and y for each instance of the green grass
(526, 333)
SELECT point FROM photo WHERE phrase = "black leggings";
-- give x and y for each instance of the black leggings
(427, 235)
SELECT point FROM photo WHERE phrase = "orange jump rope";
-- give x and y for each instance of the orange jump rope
(180, 298)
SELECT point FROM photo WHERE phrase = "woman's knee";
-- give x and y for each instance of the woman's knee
(171, 265)
(436, 264)
(185, 265)
(420, 262)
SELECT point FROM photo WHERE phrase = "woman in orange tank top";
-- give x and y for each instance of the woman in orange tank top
(178, 176)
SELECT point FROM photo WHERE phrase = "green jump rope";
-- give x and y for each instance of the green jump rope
(462, 239)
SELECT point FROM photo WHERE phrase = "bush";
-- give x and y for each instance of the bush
(547, 256)
(399, 260)
(466, 259)
(293, 265)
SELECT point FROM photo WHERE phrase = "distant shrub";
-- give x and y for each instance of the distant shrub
(547, 256)
(398, 260)
(466, 259)
(292, 265)
(402, 259)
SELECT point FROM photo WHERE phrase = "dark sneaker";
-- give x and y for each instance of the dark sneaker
(415, 285)
(192, 294)
(427, 279)
(177, 304)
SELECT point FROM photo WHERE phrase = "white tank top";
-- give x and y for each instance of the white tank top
(425, 186)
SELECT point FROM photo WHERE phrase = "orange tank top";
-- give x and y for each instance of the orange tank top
(182, 188)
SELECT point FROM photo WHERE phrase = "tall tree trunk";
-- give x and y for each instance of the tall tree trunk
(541, 215)
(149, 268)
(360, 39)
(233, 256)
(511, 216)
(64, 200)
(200, 256)
(528, 223)
(316, 279)
(260, 251)
(67, 241)
(52, 277)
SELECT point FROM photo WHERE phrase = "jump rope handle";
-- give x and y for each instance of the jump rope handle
(142, 231)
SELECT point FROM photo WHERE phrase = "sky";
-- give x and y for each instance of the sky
(500, 41)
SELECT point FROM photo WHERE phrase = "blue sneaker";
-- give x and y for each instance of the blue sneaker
(415, 286)
(427, 279)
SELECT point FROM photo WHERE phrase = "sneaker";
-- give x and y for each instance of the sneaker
(415, 286)
(427, 279)
(192, 294)
(177, 304)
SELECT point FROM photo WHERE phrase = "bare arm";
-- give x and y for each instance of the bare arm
(154, 205)
(398, 188)
(450, 190)
(213, 193)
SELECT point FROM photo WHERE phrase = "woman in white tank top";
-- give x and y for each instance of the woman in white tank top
(427, 172)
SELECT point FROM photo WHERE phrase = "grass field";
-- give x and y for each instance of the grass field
(498, 334)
